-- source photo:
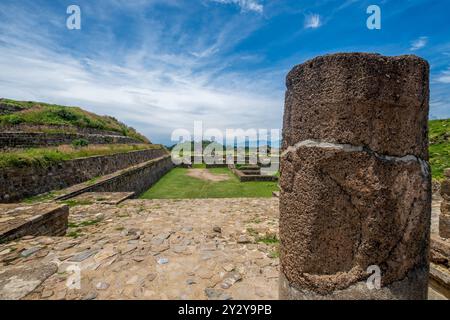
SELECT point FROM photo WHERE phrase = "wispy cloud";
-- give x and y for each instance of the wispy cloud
(419, 43)
(313, 21)
(444, 77)
(245, 5)
(150, 86)
(159, 65)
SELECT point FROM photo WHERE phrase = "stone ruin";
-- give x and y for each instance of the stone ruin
(247, 169)
(444, 218)
(355, 181)
(440, 244)
(43, 219)
(249, 172)
(355, 196)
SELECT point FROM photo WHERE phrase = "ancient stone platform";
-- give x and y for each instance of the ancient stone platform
(440, 241)
(151, 249)
(18, 220)
(135, 179)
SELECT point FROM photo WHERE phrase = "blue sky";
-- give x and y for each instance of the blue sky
(159, 65)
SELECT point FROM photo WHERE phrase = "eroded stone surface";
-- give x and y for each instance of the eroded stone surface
(355, 184)
(17, 282)
(360, 99)
(18, 220)
(351, 210)
(409, 288)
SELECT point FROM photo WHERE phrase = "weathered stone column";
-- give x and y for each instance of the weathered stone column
(444, 217)
(355, 182)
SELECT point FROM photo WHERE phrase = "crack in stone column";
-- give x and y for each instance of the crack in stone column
(351, 148)
(354, 176)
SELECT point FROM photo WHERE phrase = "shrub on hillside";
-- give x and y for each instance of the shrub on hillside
(80, 143)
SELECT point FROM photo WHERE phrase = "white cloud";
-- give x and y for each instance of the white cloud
(154, 101)
(151, 87)
(419, 43)
(444, 77)
(245, 5)
(313, 21)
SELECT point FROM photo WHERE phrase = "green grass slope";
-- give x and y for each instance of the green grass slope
(36, 113)
(439, 147)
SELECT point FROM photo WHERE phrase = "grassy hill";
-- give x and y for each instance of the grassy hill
(47, 156)
(439, 147)
(36, 113)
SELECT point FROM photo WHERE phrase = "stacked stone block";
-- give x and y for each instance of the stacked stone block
(19, 220)
(37, 139)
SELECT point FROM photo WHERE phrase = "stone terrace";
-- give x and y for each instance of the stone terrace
(159, 249)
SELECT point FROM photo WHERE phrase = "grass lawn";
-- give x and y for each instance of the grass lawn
(177, 185)
(439, 147)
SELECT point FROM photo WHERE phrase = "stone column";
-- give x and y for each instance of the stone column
(355, 182)
(444, 217)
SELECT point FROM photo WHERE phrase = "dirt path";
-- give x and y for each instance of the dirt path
(205, 174)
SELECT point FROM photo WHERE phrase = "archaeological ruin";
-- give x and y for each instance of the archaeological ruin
(440, 242)
(352, 214)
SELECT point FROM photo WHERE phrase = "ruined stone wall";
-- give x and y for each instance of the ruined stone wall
(355, 182)
(34, 220)
(30, 140)
(249, 176)
(138, 179)
(444, 217)
(19, 183)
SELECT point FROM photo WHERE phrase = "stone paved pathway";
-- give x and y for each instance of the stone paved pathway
(151, 249)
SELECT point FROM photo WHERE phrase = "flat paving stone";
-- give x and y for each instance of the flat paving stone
(202, 263)
(198, 262)
(82, 256)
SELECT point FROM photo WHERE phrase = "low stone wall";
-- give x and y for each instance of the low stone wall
(440, 265)
(137, 179)
(248, 176)
(17, 221)
(38, 139)
(19, 183)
